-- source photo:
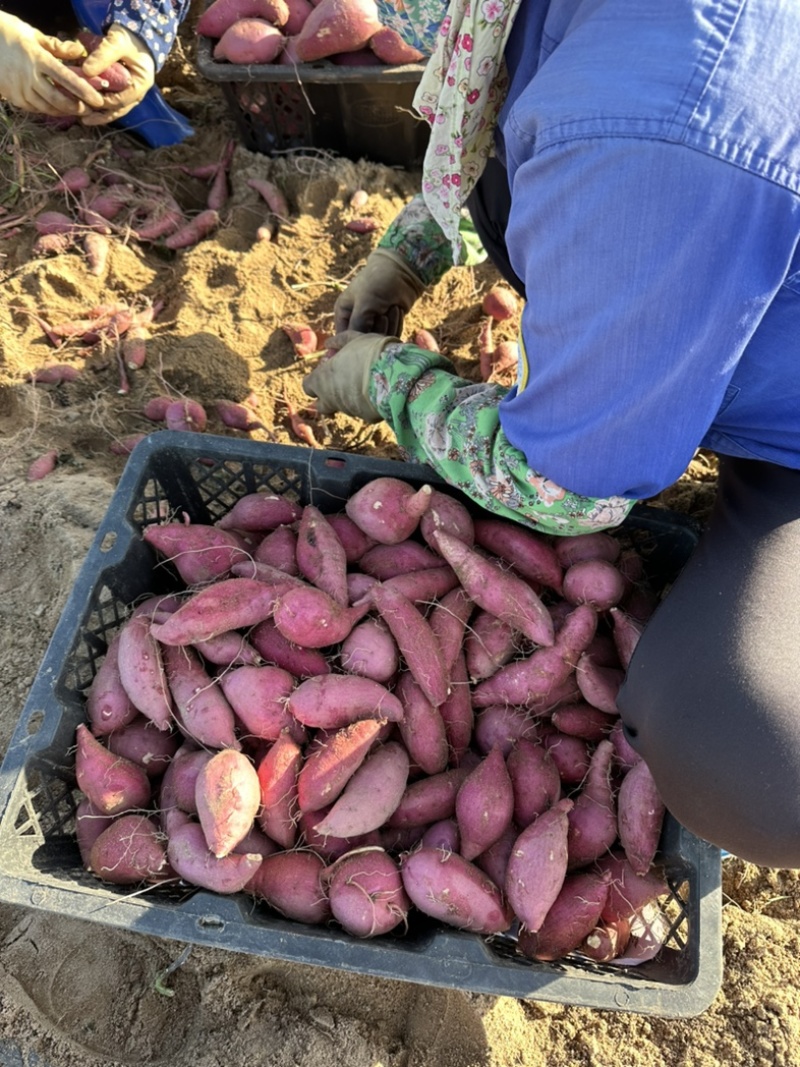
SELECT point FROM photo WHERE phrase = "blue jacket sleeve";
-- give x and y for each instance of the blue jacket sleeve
(155, 21)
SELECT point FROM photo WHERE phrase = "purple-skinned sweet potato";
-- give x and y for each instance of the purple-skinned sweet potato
(191, 858)
(370, 651)
(537, 865)
(130, 850)
(484, 805)
(366, 894)
(228, 796)
(447, 887)
(572, 916)
(421, 727)
(527, 552)
(330, 765)
(371, 795)
(200, 553)
(415, 639)
(388, 510)
(321, 557)
(330, 701)
(258, 697)
(535, 781)
(201, 710)
(108, 705)
(308, 617)
(277, 776)
(640, 817)
(229, 604)
(112, 783)
(593, 818)
(292, 884)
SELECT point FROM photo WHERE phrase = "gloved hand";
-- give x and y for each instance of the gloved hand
(121, 46)
(34, 71)
(380, 295)
(341, 382)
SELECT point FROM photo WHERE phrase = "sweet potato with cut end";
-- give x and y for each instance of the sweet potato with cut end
(191, 858)
(573, 915)
(229, 604)
(227, 795)
(201, 710)
(447, 887)
(484, 805)
(328, 767)
(371, 795)
(537, 865)
(292, 884)
(499, 592)
(331, 701)
(131, 850)
(366, 892)
(199, 552)
(277, 777)
(388, 509)
(112, 783)
(593, 818)
(640, 816)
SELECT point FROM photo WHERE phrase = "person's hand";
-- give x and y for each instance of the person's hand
(341, 382)
(380, 295)
(34, 74)
(120, 46)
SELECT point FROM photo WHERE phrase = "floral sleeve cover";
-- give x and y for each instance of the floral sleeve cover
(155, 21)
(453, 425)
(418, 238)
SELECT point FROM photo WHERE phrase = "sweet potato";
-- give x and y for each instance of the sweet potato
(131, 850)
(582, 720)
(593, 818)
(388, 509)
(328, 767)
(387, 561)
(421, 727)
(414, 638)
(499, 592)
(201, 710)
(194, 230)
(640, 816)
(277, 776)
(229, 604)
(141, 671)
(366, 892)
(291, 883)
(428, 800)
(422, 587)
(535, 781)
(526, 551)
(336, 26)
(537, 865)
(179, 784)
(229, 649)
(258, 696)
(221, 14)
(112, 783)
(191, 858)
(625, 756)
(108, 705)
(390, 48)
(628, 892)
(484, 805)
(321, 557)
(489, 644)
(599, 686)
(185, 415)
(593, 581)
(442, 834)
(448, 620)
(89, 824)
(571, 755)
(448, 514)
(199, 552)
(500, 303)
(250, 41)
(626, 633)
(331, 701)
(528, 682)
(140, 742)
(354, 540)
(274, 648)
(447, 887)
(503, 725)
(573, 915)
(369, 650)
(326, 845)
(457, 713)
(228, 796)
(278, 549)
(599, 545)
(307, 616)
(371, 795)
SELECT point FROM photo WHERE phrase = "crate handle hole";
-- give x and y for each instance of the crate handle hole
(330, 462)
(211, 922)
(108, 541)
(34, 723)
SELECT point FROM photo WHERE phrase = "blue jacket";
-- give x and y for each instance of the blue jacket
(653, 151)
(155, 21)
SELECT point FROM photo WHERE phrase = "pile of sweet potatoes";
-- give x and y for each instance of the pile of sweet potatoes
(400, 705)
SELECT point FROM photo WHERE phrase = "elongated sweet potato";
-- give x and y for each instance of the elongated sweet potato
(329, 767)
(449, 888)
(278, 650)
(535, 781)
(414, 638)
(277, 776)
(141, 671)
(258, 696)
(457, 713)
(229, 604)
(448, 620)
(593, 818)
(191, 858)
(599, 686)
(331, 701)
(387, 561)
(484, 805)
(537, 865)
(640, 816)
(200, 553)
(201, 710)
(527, 552)
(428, 800)
(228, 796)
(371, 795)
(260, 512)
(489, 644)
(448, 514)
(573, 915)
(321, 557)
(366, 892)
(421, 727)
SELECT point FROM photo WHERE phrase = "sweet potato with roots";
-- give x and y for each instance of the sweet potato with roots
(201, 710)
(447, 887)
(414, 638)
(388, 509)
(328, 768)
(370, 651)
(191, 858)
(640, 816)
(484, 805)
(259, 696)
(573, 915)
(421, 727)
(129, 851)
(199, 552)
(535, 781)
(307, 616)
(276, 649)
(292, 884)
(141, 671)
(593, 818)
(229, 604)
(108, 705)
(112, 783)
(366, 892)
(321, 557)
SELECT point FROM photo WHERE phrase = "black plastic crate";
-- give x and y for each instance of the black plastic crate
(39, 861)
(357, 112)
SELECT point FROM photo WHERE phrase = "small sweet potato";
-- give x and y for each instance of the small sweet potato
(370, 651)
(414, 638)
(191, 858)
(258, 696)
(428, 800)
(141, 671)
(140, 742)
(594, 581)
(108, 705)
(277, 776)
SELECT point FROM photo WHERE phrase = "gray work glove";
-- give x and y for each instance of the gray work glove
(341, 382)
(34, 74)
(380, 295)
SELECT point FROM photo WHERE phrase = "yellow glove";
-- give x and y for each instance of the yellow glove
(341, 382)
(380, 295)
(34, 74)
(121, 46)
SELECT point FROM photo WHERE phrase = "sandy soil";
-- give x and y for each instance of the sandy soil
(74, 994)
